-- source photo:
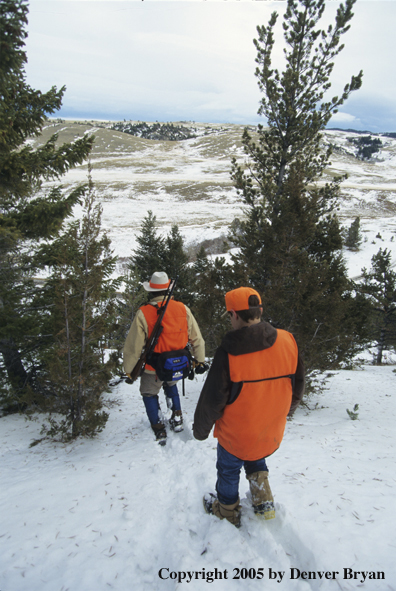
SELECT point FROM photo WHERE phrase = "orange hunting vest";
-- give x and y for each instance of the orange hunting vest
(252, 426)
(175, 330)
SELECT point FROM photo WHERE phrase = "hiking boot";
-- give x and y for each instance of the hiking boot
(265, 510)
(262, 499)
(176, 421)
(213, 506)
(160, 433)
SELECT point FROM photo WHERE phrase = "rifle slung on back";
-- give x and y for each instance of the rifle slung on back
(154, 336)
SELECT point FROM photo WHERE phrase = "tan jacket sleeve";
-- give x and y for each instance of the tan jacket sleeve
(135, 341)
(195, 337)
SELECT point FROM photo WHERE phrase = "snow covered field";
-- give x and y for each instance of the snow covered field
(120, 512)
(123, 513)
(188, 183)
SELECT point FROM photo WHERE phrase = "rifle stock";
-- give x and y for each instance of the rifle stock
(154, 336)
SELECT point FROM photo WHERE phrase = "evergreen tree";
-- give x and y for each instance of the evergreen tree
(353, 237)
(175, 265)
(175, 258)
(202, 264)
(290, 243)
(28, 213)
(128, 302)
(147, 258)
(366, 146)
(149, 255)
(80, 296)
(155, 253)
(213, 278)
(379, 287)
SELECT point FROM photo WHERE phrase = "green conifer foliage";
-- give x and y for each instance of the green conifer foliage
(28, 213)
(155, 253)
(379, 287)
(175, 265)
(175, 258)
(366, 146)
(213, 278)
(132, 296)
(149, 255)
(290, 242)
(81, 303)
(144, 261)
(353, 235)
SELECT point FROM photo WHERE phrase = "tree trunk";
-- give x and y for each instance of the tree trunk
(381, 345)
(69, 367)
(13, 363)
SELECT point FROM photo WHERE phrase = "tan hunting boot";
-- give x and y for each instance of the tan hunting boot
(230, 512)
(262, 499)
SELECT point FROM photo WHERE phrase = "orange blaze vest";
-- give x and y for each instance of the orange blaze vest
(252, 426)
(175, 330)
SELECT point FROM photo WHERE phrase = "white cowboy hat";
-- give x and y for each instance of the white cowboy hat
(158, 282)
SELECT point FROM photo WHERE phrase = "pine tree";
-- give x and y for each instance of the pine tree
(28, 213)
(149, 255)
(213, 278)
(379, 287)
(80, 295)
(175, 258)
(176, 265)
(147, 258)
(353, 235)
(290, 243)
(202, 264)
(129, 301)
(155, 253)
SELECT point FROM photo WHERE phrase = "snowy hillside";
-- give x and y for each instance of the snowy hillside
(123, 513)
(188, 183)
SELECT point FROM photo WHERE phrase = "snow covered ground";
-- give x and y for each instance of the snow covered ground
(120, 512)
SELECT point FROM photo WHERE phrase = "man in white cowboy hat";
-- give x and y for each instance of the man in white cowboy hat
(179, 328)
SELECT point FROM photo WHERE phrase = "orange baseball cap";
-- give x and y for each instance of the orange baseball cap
(238, 299)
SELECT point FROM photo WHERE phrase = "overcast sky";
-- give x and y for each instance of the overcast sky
(194, 60)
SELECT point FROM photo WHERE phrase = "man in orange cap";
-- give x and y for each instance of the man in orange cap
(255, 381)
(179, 328)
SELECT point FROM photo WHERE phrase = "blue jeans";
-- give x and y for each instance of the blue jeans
(152, 403)
(228, 470)
(172, 393)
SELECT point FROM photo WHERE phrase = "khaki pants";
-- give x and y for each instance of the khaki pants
(150, 384)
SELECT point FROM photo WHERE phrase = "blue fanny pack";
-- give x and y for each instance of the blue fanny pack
(171, 366)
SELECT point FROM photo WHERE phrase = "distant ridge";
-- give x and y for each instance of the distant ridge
(385, 133)
(349, 130)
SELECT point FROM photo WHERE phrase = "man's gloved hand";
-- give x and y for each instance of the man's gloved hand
(201, 367)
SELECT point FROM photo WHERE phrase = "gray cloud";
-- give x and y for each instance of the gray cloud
(189, 60)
